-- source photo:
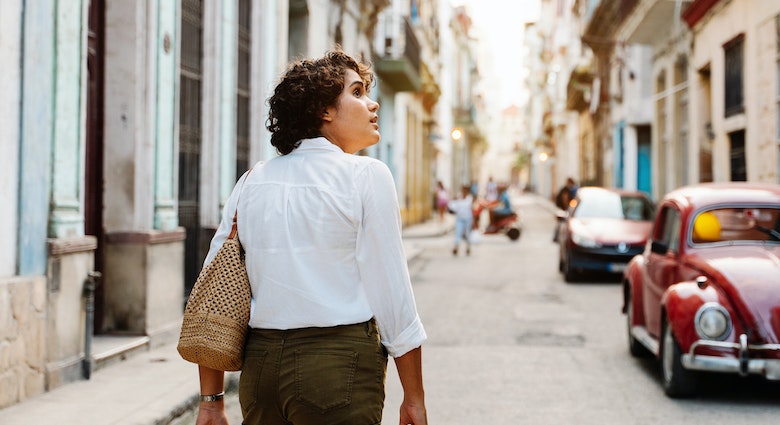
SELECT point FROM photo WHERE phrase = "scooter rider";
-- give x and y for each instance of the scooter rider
(503, 207)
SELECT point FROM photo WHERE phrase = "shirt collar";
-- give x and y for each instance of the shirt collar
(318, 143)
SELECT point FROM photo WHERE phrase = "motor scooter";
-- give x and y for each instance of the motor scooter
(507, 224)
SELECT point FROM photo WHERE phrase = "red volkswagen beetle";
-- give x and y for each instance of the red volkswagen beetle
(704, 296)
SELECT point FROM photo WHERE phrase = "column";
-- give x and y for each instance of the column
(10, 86)
(67, 215)
(220, 34)
(144, 247)
(228, 35)
(166, 128)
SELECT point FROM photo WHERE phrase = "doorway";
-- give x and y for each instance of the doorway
(93, 167)
(738, 157)
(644, 165)
(190, 136)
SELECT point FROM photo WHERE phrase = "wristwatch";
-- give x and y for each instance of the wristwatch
(213, 397)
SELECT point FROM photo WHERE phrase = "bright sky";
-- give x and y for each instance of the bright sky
(499, 25)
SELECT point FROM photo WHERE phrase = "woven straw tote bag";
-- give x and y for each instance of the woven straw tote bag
(216, 316)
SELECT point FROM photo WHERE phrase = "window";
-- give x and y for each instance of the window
(614, 205)
(734, 225)
(668, 233)
(734, 52)
(243, 86)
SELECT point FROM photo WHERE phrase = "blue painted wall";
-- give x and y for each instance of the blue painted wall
(37, 127)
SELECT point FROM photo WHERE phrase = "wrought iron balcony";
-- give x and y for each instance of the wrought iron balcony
(399, 66)
(578, 89)
(465, 115)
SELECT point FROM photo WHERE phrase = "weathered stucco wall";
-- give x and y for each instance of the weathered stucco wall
(22, 338)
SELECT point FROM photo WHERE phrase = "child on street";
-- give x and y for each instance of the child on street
(464, 217)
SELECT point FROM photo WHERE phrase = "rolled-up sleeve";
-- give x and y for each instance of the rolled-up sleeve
(382, 262)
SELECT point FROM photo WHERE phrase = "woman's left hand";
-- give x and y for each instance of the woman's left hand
(212, 413)
(413, 414)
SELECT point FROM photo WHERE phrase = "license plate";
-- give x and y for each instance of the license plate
(617, 267)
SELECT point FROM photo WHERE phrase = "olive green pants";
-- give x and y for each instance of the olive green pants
(314, 376)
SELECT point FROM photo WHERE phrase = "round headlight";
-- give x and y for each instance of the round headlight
(713, 321)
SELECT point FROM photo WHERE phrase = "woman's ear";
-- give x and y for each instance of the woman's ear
(327, 115)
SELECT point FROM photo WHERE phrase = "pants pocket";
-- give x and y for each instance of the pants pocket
(324, 379)
(249, 382)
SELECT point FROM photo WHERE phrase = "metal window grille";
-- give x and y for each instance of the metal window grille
(190, 134)
(734, 78)
(243, 92)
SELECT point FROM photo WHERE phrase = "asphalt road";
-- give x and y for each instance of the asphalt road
(511, 343)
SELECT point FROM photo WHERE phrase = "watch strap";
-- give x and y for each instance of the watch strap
(212, 397)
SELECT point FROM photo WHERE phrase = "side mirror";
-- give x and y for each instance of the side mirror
(658, 247)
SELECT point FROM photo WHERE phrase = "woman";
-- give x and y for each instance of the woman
(331, 294)
(442, 199)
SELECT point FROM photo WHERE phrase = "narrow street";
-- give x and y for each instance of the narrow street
(511, 343)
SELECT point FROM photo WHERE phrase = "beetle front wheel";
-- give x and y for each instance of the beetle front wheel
(678, 381)
(634, 346)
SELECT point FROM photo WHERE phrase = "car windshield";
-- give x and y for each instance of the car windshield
(736, 224)
(614, 205)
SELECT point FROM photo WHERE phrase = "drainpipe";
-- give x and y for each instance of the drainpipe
(90, 284)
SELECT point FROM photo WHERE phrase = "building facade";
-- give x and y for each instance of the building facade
(688, 92)
(125, 127)
(733, 110)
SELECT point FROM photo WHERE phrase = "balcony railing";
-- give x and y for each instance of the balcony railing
(399, 66)
(465, 115)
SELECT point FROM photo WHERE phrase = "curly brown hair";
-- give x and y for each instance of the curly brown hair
(302, 96)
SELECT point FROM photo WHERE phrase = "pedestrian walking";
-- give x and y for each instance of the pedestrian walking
(491, 190)
(562, 200)
(442, 199)
(331, 292)
(566, 193)
(464, 216)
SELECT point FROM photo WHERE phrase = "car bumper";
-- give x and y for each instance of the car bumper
(600, 259)
(742, 364)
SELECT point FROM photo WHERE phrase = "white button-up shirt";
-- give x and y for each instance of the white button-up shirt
(322, 235)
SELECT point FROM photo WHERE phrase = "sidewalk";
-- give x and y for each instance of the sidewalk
(150, 388)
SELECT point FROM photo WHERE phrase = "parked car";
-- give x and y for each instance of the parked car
(602, 230)
(705, 293)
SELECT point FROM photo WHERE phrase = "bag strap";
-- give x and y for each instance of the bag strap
(234, 230)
